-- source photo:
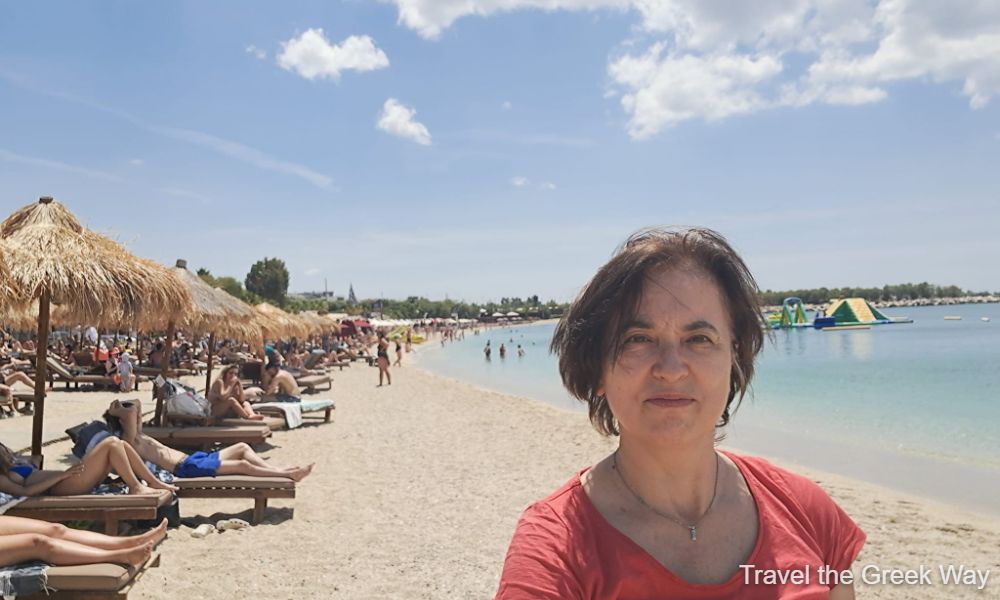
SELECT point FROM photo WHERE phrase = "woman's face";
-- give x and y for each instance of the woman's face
(230, 375)
(670, 384)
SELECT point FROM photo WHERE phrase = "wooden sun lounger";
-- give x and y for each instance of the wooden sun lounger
(261, 489)
(153, 372)
(178, 420)
(108, 509)
(204, 438)
(99, 581)
(57, 369)
(312, 382)
(275, 412)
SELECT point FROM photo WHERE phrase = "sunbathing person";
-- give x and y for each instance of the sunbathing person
(110, 454)
(23, 539)
(238, 459)
(279, 385)
(227, 398)
(6, 388)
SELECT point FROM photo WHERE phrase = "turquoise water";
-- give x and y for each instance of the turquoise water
(926, 393)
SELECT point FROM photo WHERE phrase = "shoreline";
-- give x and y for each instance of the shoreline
(970, 488)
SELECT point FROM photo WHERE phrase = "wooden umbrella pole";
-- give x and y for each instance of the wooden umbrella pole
(41, 352)
(208, 375)
(164, 369)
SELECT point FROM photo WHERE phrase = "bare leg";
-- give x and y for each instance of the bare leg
(244, 467)
(19, 377)
(249, 412)
(242, 451)
(32, 546)
(18, 525)
(108, 455)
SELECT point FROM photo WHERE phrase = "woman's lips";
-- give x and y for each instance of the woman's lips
(670, 402)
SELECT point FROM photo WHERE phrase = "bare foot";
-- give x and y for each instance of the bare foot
(154, 535)
(300, 473)
(139, 554)
(141, 490)
(156, 483)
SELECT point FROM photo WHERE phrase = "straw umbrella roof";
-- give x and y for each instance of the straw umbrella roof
(316, 322)
(10, 294)
(91, 278)
(213, 310)
(278, 323)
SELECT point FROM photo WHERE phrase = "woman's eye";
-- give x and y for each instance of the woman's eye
(637, 338)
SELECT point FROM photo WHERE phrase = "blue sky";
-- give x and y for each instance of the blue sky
(489, 148)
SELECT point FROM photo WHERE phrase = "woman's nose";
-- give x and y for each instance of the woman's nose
(669, 364)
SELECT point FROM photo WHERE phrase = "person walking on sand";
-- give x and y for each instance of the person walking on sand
(383, 360)
(399, 354)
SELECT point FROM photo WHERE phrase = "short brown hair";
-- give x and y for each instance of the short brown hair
(590, 335)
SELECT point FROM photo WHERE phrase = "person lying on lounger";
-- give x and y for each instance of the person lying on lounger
(227, 397)
(23, 539)
(109, 454)
(238, 459)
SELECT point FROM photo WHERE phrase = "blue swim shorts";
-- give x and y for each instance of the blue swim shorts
(199, 464)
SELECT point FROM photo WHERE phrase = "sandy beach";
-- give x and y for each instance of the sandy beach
(418, 486)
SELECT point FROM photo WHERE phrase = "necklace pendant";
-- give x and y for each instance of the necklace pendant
(694, 533)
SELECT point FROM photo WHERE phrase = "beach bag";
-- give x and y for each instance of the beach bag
(184, 400)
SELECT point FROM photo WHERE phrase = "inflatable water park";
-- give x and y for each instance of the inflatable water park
(843, 313)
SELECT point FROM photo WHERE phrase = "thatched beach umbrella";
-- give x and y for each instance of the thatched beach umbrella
(55, 260)
(215, 312)
(278, 323)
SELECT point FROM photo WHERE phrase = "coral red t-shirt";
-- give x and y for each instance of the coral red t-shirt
(564, 548)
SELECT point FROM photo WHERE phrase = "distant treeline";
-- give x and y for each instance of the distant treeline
(902, 291)
(416, 307)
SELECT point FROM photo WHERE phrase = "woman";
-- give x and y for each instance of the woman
(383, 360)
(22, 540)
(399, 353)
(110, 454)
(227, 399)
(660, 344)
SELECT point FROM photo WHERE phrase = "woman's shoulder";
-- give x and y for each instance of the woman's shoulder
(793, 496)
(560, 514)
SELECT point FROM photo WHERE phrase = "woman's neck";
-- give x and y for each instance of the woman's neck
(678, 481)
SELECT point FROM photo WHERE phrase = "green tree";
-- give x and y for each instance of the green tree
(268, 279)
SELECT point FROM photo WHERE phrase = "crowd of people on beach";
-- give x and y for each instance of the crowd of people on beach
(116, 444)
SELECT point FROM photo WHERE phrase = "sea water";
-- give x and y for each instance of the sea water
(914, 406)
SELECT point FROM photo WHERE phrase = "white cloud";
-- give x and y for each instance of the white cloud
(397, 119)
(312, 56)
(258, 53)
(313, 271)
(430, 17)
(518, 181)
(742, 57)
(136, 162)
(506, 105)
(8, 156)
(547, 185)
(664, 90)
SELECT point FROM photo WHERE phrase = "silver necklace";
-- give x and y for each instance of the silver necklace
(692, 527)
